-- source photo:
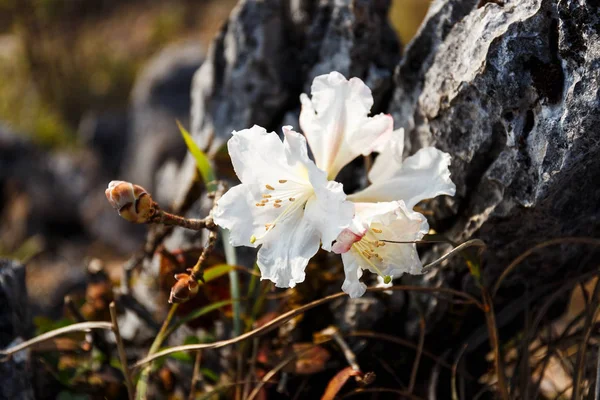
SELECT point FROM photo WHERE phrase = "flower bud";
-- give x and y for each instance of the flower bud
(131, 201)
(184, 289)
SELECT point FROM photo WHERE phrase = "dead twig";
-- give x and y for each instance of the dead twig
(274, 371)
(349, 355)
(276, 322)
(455, 368)
(196, 376)
(80, 327)
(527, 253)
(490, 320)
(121, 351)
(415, 368)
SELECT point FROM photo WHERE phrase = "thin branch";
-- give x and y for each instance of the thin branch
(274, 371)
(97, 340)
(415, 368)
(80, 327)
(490, 320)
(471, 243)
(121, 351)
(334, 333)
(552, 242)
(402, 342)
(196, 375)
(275, 323)
(455, 369)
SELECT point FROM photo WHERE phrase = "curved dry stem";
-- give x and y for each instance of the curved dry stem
(275, 323)
(80, 327)
(275, 370)
(527, 253)
(471, 243)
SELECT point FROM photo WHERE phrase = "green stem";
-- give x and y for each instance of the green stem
(142, 385)
(234, 283)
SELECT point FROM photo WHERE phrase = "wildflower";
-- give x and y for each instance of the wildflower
(421, 176)
(366, 244)
(131, 201)
(284, 204)
(336, 123)
(384, 214)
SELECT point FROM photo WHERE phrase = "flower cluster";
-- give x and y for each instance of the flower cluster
(289, 205)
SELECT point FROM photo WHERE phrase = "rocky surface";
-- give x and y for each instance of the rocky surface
(509, 88)
(512, 93)
(254, 73)
(15, 326)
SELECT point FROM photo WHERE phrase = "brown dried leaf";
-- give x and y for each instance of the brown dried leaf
(337, 382)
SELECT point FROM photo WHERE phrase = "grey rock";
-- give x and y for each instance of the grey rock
(511, 90)
(106, 133)
(255, 72)
(15, 325)
(161, 95)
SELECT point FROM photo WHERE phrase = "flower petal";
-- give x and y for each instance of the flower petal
(329, 212)
(386, 223)
(422, 176)
(237, 211)
(285, 253)
(259, 156)
(336, 124)
(389, 160)
(352, 285)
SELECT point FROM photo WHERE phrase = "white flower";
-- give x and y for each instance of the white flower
(285, 204)
(365, 244)
(423, 175)
(336, 124)
(384, 213)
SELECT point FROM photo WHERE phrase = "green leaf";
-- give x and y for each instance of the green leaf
(210, 374)
(216, 272)
(181, 356)
(202, 161)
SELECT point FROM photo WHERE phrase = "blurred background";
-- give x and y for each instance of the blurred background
(89, 92)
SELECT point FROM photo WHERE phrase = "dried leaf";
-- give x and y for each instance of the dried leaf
(337, 382)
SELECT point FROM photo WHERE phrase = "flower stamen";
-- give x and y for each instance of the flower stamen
(269, 187)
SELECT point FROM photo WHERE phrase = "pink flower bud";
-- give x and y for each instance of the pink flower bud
(131, 201)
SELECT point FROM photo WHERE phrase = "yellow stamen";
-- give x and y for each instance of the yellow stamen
(376, 230)
(276, 205)
(269, 187)
(282, 180)
(260, 204)
(291, 199)
(266, 196)
(278, 201)
(252, 239)
(264, 201)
